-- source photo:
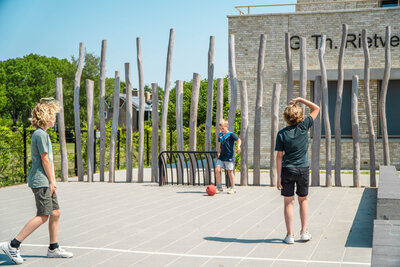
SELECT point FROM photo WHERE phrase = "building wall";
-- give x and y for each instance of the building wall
(331, 5)
(247, 30)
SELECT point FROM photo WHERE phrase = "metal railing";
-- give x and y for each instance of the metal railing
(187, 167)
(238, 8)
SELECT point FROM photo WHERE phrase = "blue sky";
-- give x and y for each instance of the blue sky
(55, 28)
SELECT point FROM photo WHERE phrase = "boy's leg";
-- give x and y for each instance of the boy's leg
(53, 226)
(303, 202)
(31, 226)
(288, 212)
(218, 175)
(231, 178)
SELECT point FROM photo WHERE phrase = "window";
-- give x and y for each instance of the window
(345, 118)
(389, 3)
(392, 110)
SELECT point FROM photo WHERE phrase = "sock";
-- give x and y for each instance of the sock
(53, 246)
(219, 185)
(15, 243)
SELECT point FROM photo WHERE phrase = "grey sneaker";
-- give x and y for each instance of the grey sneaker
(12, 253)
(219, 190)
(289, 239)
(305, 236)
(59, 253)
(231, 190)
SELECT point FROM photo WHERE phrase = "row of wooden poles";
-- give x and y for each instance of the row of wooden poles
(155, 116)
(321, 84)
(320, 95)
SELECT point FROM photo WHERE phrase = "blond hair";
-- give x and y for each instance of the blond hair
(44, 111)
(293, 114)
(223, 123)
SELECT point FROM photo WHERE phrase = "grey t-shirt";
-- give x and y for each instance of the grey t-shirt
(293, 140)
(40, 144)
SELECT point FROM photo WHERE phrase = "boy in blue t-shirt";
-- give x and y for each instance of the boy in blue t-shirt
(226, 155)
(293, 165)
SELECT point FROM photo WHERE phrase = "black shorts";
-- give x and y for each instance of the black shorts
(292, 175)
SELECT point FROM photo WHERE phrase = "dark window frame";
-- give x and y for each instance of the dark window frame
(379, 133)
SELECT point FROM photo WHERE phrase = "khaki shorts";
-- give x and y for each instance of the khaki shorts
(45, 204)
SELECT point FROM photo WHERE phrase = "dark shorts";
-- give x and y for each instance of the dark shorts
(295, 175)
(45, 204)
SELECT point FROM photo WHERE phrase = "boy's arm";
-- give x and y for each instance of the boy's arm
(239, 146)
(279, 157)
(219, 150)
(49, 172)
(314, 108)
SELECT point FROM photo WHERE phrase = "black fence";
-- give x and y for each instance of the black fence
(188, 167)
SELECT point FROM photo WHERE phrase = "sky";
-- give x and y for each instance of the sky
(54, 28)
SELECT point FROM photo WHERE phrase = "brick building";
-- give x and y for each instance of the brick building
(311, 21)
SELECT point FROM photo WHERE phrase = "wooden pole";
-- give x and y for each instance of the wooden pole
(327, 124)
(368, 109)
(316, 136)
(102, 109)
(244, 111)
(220, 105)
(179, 126)
(78, 139)
(303, 69)
(193, 111)
(141, 110)
(193, 123)
(128, 123)
(258, 111)
(61, 131)
(355, 132)
(289, 65)
(382, 100)
(338, 109)
(233, 83)
(164, 114)
(154, 134)
(114, 129)
(90, 128)
(276, 93)
(210, 92)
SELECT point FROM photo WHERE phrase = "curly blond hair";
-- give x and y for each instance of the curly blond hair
(44, 112)
(223, 123)
(293, 114)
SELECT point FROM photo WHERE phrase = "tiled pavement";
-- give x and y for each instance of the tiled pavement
(146, 225)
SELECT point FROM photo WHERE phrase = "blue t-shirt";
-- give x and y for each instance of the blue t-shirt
(227, 143)
(293, 140)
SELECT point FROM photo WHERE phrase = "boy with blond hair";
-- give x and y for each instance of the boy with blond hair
(226, 155)
(42, 181)
(293, 164)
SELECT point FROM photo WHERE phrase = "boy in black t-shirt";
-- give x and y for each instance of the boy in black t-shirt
(293, 165)
(226, 155)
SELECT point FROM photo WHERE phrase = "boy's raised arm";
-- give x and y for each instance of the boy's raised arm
(314, 108)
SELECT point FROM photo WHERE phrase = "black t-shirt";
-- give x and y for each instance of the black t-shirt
(293, 140)
(227, 142)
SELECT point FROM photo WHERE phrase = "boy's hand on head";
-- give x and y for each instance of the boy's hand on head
(294, 100)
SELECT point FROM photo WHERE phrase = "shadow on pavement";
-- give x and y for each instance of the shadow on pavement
(361, 231)
(4, 260)
(248, 241)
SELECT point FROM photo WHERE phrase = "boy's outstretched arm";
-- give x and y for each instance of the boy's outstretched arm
(239, 146)
(279, 157)
(314, 108)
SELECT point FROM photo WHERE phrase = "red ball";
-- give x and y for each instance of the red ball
(211, 190)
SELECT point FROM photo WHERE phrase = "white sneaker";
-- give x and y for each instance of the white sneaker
(231, 190)
(12, 253)
(59, 253)
(220, 190)
(289, 239)
(305, 236)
